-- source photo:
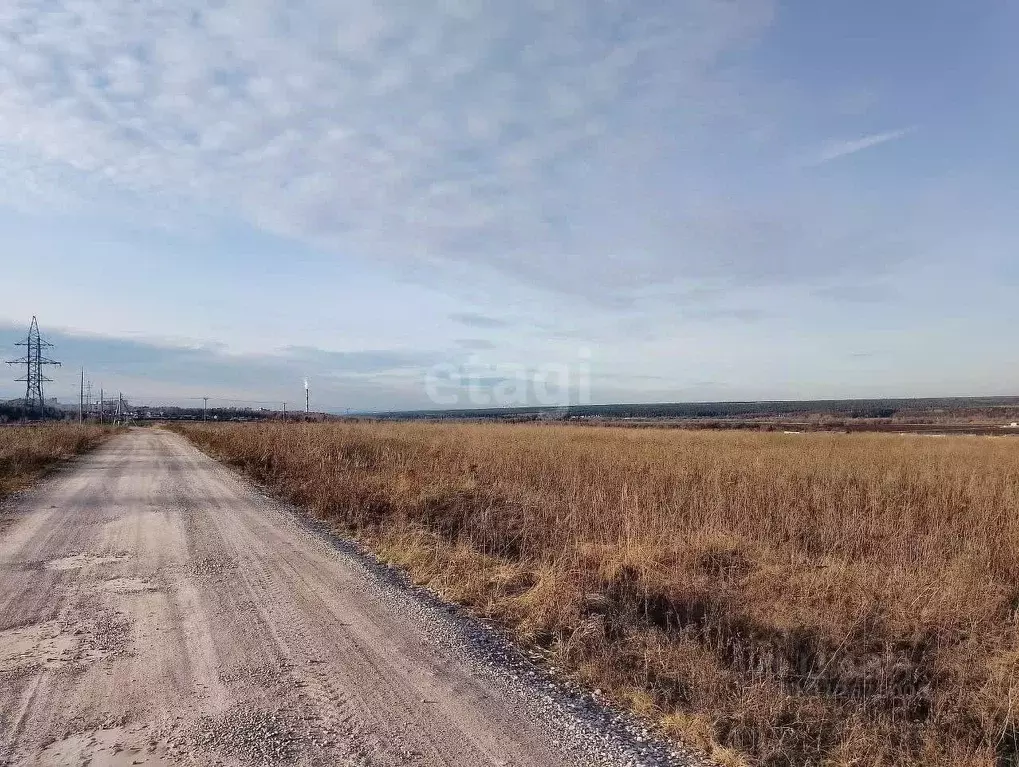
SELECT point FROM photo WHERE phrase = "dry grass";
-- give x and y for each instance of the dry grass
(778, 599)
(27, 451)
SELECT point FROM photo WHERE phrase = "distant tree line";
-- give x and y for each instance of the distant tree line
(17, 411)
(992, 407)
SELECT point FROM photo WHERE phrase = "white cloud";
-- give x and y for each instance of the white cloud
(449, 131)
(562, 144)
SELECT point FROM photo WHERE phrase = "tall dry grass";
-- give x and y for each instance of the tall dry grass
(791, 599)
(27, 451)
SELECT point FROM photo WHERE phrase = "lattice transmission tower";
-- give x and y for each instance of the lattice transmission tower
(34, 362)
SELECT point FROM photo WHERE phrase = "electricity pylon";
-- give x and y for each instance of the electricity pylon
(33, 362)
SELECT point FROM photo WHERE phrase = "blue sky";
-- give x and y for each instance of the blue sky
(675, 201)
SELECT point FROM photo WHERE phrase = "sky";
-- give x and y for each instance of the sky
(463, 203)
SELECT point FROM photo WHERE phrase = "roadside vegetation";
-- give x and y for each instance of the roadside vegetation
(816, 599)
(27, 451)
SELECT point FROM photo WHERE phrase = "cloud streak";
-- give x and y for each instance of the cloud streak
(478, 320)
(838, 149)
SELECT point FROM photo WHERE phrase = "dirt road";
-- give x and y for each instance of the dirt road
(155, 609)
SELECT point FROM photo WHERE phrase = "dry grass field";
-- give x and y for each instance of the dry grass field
(27, 451)
(813, 599)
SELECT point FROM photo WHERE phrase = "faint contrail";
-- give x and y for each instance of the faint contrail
(836, 149)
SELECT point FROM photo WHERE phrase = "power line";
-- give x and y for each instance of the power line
(34, 362)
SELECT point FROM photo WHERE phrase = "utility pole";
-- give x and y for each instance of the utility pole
(307, 398)
(81, 399)
(33, 362)
(88, 398)
(102, 404)
(205, 412)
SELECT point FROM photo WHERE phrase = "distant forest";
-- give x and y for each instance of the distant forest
(924, 409)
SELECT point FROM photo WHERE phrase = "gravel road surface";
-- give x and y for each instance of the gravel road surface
(156, 609)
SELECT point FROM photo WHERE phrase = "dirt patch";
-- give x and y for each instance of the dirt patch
(117, 747)
(129, 586)
(51, 646)
(79, 561)
(41, 644)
